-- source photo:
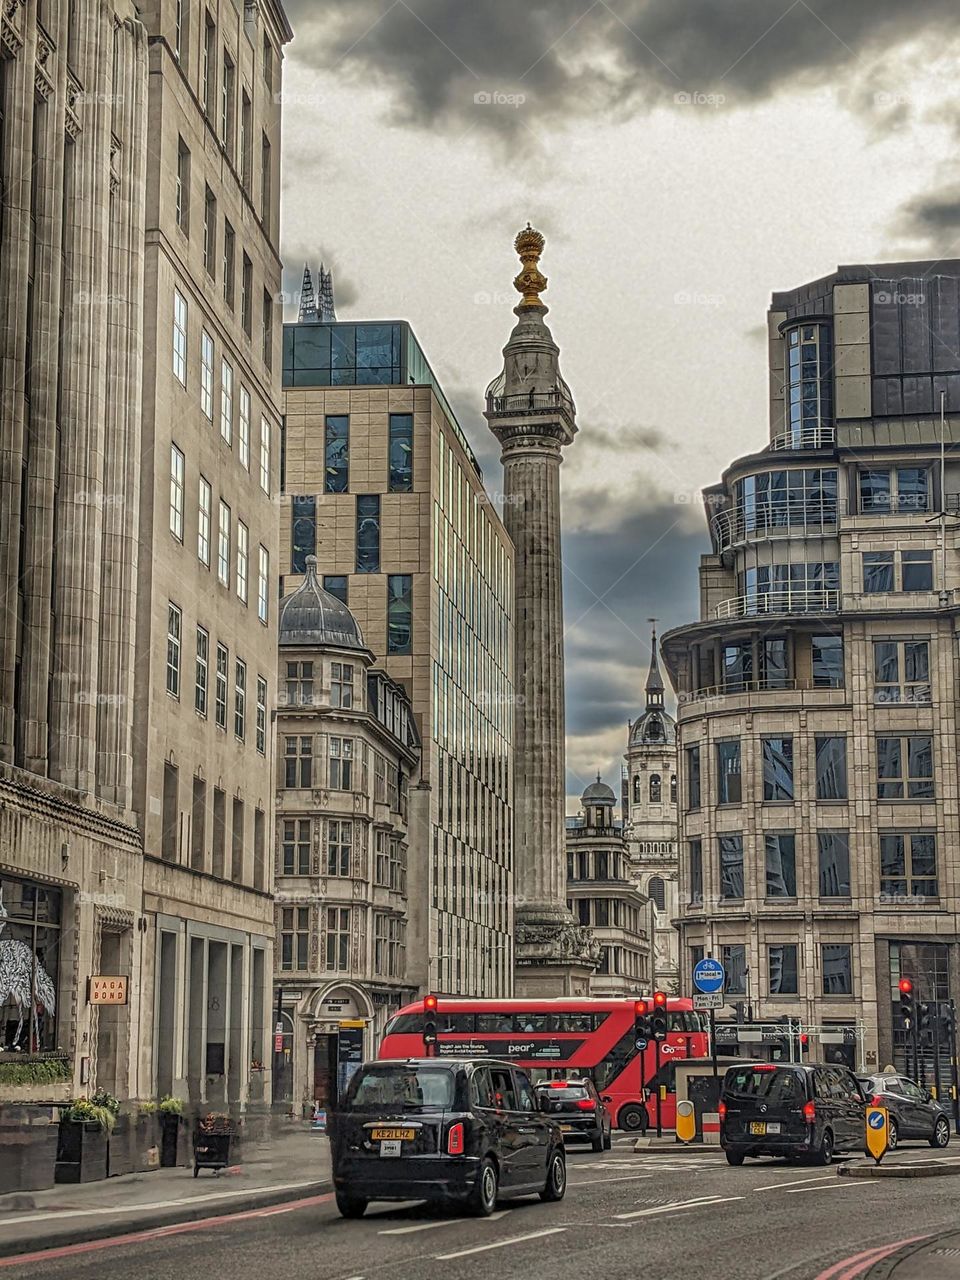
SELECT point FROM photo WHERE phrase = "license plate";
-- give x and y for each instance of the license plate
(773, 1126)
(758, 1126)
(566, 1128)
(390, 1147)
(391, 1135)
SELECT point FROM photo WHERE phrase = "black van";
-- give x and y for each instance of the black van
(443, 1129)
(804, 1112)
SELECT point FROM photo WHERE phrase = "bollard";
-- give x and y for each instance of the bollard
(711, 1128)
(686, 1122)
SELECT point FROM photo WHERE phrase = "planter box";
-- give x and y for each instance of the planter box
(29, 1157)
(174, 1142)
(120, 1148)
(144, 1138)
(82, 1152)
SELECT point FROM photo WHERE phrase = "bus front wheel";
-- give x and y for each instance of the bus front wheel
(633, 1118)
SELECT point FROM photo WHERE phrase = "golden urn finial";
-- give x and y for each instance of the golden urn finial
(531, 282)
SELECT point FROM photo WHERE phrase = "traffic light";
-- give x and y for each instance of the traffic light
(429, 1022)
(641, 1020)
(927, 1011)
(907, 1013)
(948, 1019)
(658, 1023)
(804, 1043)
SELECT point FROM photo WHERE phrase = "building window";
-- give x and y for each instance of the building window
(901, 489)
(220, 705)
(179, 337)
(339, 841)
(916, 570)
(398, 866)
(401, 452)
(341, 764)
(777, 768)
(170, 813)
(826, 658)
(336, 453)
(833, 856)
(774, 665)
(837, 968)
(208, 82)
(897, 571)
(693, 777)
(399, 612)
(637, 789)
(203, 522)
(729, 790)
(176, 492)
(266, 167)
(341, 684)
(368, 533)
(294, 938)
(266, 329)
(229, 260)
(219, 849)
(673, 788)
(809, 382)
(303, 515)
(264, 455)
(657, 890)
(206, 374)
(243, 560)
(905, 768)
(299, 684)
(210, 232)
(781, 864)
(198, 824)
(246, 140)
(296, 847)
(381, 869)
(336, 584)
(831, 767)
(655, 788)
(183, 186)
(731, 866)
(246, 295)
(782, 965)
(223, 545)
(244, 427)
(734, 960)
(174, 628)
(202, 672)
(263, 584)
(901, 670)
(736, 660)
(908, 866)
(227, 104)
(268, 64)
(261, 715)
(695, 850)
(240, 701)
(298, 761)
(338, 938)
(226, 401)
(237, 841)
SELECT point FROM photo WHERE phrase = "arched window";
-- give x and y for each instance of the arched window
(636, 789)
(673, 788)
(657, 891)
(654, 788)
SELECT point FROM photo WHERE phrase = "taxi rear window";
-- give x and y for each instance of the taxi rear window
(772, 1086)
(568, 1091)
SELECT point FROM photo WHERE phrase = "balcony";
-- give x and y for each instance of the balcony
(808, 438)
(531, 402)
(778, 603)
(789, 518)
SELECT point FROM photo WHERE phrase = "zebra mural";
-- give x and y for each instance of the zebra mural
(24, 981)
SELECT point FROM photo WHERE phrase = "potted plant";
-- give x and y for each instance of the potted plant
(83, 1141)
(171, 1119)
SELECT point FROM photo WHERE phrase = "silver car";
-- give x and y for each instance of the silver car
(914, 1113)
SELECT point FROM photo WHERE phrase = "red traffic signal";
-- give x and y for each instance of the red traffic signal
(639, 1008)
(906, 986)
(659, 1000)
(430, 1004)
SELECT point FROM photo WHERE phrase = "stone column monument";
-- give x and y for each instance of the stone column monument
(531, 412)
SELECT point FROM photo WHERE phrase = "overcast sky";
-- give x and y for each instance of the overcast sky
(683, 158)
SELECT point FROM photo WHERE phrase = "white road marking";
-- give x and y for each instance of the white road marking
(421, 1226)
(592, 1182)
(799, 1182)
(702, 1202)
(833, 1185)
(499, 1244)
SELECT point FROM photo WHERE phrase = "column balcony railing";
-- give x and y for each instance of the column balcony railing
(806, 438)
(789, 601)
(789, 518)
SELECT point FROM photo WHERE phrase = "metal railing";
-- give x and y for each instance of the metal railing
(530, 402)
(807, 438)
(800, 600)
(764, 685)
(773, 519)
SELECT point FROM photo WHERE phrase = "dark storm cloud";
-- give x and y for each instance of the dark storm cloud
(569, 58)
(934, 220)
(627, 439)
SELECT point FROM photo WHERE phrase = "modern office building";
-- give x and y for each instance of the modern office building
(602, 895)
(380, 484)
(206, 634)
(818, 690)
(347, 753)
(73, 138)
(649, 801)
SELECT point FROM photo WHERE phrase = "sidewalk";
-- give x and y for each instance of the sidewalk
(936, 1258)
(294, 1165)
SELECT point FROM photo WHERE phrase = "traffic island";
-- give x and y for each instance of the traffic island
(897, 1170)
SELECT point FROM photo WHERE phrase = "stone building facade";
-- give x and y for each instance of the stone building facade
(819, 689)
(649, 802)
(73, 136)
(381, 485)
(603, 896)
(348, 753)
(209, 476)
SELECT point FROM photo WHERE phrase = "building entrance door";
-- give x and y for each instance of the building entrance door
(325, 1070)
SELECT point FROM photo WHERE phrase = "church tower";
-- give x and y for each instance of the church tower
(531, 412)
(650, 818)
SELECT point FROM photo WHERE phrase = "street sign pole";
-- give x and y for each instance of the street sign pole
(953, 1067)
(656, 1081)
(936, 1050)
(713, 1044)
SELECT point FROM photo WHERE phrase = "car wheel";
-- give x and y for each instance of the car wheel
(633, 1118)
(824, 1154)
(734, 1157)
(351, 1206)
(941, 1133)
(608, 1140)
(556, 1183)
(483, 1198)
(596, 1144)
(893, 1136)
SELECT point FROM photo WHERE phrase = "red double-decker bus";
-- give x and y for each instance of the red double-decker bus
(563, 1037)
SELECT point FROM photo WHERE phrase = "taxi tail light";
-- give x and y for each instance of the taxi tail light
(455, 1139)
(585, 1104)
(876, 1100)
(810, 1112)
(722, 1111)
(558, 1084)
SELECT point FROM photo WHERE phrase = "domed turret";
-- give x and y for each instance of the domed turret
(312, 616)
